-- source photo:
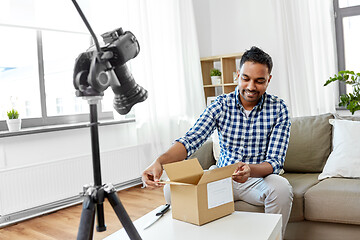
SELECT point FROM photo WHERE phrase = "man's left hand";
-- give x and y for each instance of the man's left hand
(241, 173)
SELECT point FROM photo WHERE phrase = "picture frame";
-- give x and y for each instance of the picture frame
(210, 100)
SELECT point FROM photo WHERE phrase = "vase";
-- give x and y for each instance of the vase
(215, 80)
(14, 125)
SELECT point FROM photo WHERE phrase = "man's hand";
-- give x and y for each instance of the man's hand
(241, 173)
(151, 175)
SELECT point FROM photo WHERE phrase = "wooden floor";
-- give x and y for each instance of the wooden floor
(64, 223)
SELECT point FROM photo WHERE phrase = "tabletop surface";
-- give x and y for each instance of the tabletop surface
(239, 225)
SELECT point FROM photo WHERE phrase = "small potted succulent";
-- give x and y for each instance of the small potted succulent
(215, 76)
(14, 122)
(350, 100)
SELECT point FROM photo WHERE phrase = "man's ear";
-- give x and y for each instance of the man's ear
(269, 79)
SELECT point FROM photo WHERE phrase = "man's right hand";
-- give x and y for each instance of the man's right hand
(151, 175)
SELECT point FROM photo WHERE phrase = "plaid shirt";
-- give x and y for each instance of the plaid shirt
(261, 137)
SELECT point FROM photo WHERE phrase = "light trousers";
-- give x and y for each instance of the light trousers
(273, 192)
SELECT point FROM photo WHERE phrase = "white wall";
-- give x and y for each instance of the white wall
(37, 148)
(228, 26)
(44, 168)
(232, 26)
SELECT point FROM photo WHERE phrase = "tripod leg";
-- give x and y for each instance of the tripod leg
(87, 219)
(122, 215)
(100, 227)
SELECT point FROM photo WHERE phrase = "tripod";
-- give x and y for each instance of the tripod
(94, 195)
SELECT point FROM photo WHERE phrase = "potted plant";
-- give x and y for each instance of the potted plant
(215, 76)
(350, 100)
(13, 123)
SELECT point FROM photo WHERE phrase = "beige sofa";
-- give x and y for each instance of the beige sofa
(326, 209)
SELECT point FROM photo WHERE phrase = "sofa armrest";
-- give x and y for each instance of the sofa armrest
(205, 155)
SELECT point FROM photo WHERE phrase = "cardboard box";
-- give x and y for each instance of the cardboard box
(199, 196)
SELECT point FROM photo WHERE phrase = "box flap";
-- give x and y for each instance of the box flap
(218, 173)
(188, 171)
(175, 183)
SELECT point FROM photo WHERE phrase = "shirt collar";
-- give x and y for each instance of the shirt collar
(260, 104)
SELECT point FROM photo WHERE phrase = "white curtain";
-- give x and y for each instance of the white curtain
(168, 66)
(307, 35)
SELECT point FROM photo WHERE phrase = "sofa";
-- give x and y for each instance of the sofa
(322, 209)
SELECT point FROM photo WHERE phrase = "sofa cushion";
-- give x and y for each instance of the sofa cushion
(309, 230)
(205, 155)
(334, 200)
(309, 145)
(247, 207)
(300, 184)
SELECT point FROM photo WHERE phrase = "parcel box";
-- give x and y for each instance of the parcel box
(199, 196)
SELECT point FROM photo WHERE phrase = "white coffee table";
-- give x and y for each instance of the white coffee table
(238, 225)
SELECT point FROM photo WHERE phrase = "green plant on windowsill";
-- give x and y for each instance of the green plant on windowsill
(215, 72)
(13, 114)
(14, 122)
(350, 100)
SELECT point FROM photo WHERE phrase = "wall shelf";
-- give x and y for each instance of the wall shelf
(227, 65)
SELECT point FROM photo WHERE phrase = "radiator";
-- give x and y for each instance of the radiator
(43, 187)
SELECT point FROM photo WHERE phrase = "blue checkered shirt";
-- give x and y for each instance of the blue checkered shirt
(261, 137)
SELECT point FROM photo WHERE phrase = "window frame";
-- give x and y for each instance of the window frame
(46, 120)
(340, 14)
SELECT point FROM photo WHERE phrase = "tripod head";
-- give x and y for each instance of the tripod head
(97, 69)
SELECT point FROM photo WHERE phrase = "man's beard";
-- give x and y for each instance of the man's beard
(250, 96)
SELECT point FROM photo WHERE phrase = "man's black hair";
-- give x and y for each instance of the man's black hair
(257, 55)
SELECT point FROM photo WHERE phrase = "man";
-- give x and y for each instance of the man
(253, 129)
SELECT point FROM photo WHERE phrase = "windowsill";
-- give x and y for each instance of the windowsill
(54, 128)
(340, 108)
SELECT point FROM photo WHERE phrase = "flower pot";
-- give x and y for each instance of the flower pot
(215, 80)
(14, 125)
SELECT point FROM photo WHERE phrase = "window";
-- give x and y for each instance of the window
(60, 50)
(347, 24)
(19, 75)
(348, 3)
(36, 77)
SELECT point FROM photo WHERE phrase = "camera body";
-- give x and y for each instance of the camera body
(123, 45)
(95, 71)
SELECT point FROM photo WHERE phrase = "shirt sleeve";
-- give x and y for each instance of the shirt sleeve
(202, 129)
(279, 141)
